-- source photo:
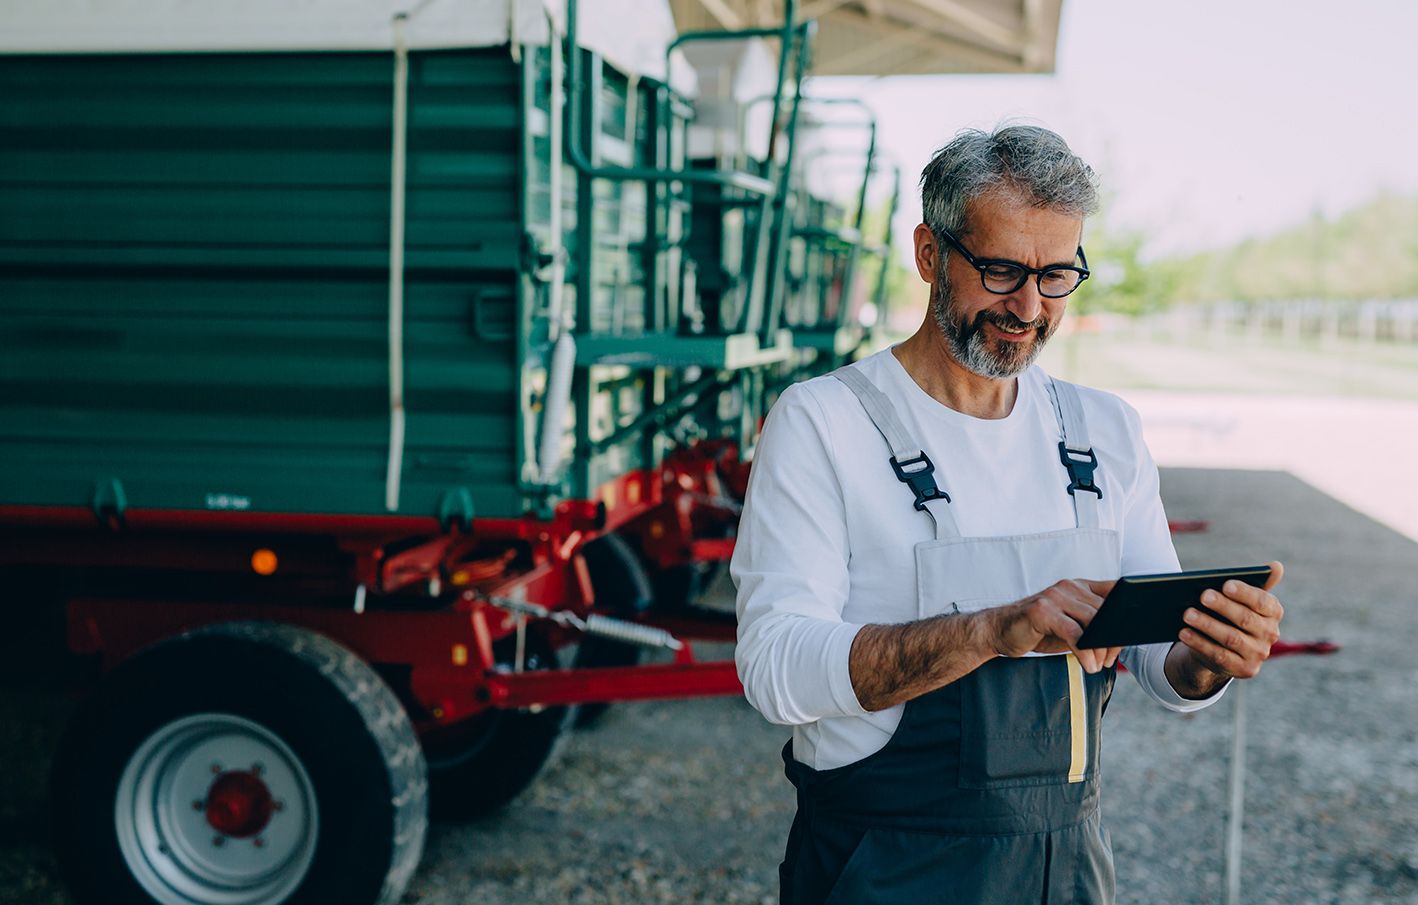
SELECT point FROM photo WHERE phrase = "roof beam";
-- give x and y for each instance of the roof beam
(846, 62)
(1033, 29)
(989, 30)
(902, 38)
(727, 18)
(820, 8)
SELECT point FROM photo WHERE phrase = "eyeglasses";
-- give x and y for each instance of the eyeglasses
(1002, 276)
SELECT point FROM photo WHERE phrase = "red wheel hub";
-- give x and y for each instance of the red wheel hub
(239, 804)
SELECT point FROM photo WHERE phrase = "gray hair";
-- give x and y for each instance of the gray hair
(1030, 160)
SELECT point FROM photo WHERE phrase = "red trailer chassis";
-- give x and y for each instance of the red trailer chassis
(406, 592)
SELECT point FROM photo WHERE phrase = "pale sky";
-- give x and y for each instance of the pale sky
(1209, 120)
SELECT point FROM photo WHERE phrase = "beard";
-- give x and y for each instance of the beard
(972, 350)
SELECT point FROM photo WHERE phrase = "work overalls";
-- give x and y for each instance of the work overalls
(987, 793)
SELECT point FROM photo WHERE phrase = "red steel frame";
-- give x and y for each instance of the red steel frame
(681, 512)
(453, 671)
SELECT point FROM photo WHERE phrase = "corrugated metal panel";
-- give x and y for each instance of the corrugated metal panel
(193, 268)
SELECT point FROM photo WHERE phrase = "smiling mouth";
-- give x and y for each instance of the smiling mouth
(1014, 335)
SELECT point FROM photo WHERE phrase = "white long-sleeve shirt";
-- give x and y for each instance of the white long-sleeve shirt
(825, 543)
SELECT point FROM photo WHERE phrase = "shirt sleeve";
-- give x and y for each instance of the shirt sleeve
(790, 567)
(1147, 547)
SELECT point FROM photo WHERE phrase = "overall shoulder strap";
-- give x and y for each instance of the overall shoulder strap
(1076, 452)
(908, 459)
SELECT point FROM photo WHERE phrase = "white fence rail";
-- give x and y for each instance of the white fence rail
(1371, 321)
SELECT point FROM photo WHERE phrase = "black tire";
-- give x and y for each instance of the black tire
(480, 764)
(680, 588)
(338, 721)
(619, 580)
(621, 586)
(677, 587)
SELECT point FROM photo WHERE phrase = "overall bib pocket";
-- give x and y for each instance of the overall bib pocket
(1005, 694)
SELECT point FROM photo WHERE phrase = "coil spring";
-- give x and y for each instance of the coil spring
(629, 632)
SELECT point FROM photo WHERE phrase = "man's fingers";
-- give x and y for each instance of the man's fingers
(1238, 614)
(1101, 588)
(1249, 648)
(1260, 619)
(1095, 659)
(1227, 636)
(1090, 658)
(1078, 613)
(1062, 612)
(1062, 625)
(1223, 658)
(1079, 609)
(1258, 599)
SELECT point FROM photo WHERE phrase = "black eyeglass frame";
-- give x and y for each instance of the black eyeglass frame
(981, 264)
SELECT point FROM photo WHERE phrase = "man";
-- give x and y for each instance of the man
(927, 532)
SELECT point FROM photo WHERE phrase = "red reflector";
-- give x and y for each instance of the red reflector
(239, 804)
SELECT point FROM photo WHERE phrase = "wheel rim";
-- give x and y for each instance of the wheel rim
(216, 809)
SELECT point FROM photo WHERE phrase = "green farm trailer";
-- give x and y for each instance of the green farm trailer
(377, 384)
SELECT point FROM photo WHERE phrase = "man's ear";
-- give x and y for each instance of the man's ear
(927, 253)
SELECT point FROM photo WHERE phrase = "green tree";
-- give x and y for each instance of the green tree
(1370, 251)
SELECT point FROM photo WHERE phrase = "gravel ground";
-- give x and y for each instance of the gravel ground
(684, 801)
(1332, 757)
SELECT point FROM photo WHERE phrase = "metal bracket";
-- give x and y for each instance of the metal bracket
(456, 504)
(110, 503)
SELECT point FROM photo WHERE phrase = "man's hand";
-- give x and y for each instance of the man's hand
(1209, 652)
(1051, 622)
(891, 664)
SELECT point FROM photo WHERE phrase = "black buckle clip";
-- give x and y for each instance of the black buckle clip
(920, 480)
(1080, 470)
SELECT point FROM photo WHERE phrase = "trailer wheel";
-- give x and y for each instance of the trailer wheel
(679, 588)
(622, 585)
(480, 764)
(241, 764)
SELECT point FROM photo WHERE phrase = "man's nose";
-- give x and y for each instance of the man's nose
(1026, 302)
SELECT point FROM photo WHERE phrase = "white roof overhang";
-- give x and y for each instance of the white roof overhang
(903, 37)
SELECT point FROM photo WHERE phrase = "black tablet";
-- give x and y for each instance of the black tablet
(1142, 609)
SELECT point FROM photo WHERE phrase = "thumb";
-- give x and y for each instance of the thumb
(1277, 571)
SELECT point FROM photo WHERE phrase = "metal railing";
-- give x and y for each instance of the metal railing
(764, 277)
